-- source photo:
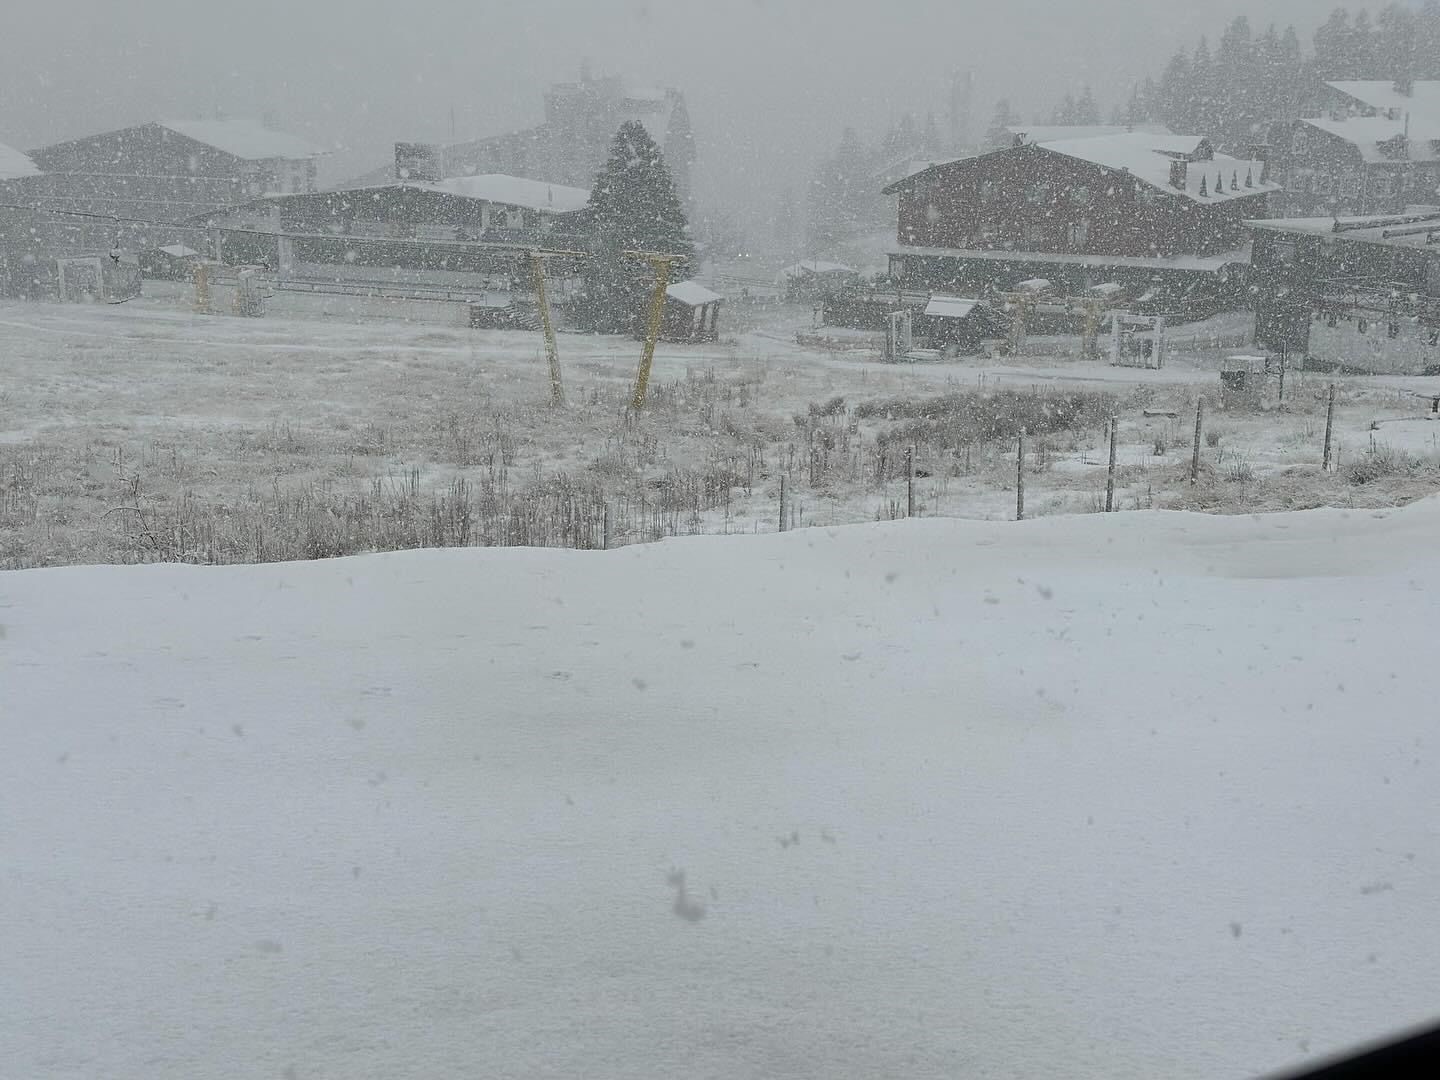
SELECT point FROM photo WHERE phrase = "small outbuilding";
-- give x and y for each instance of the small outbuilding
(692, 313)
(169, 262)
(958, 325)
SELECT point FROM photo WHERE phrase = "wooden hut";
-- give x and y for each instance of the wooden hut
(692, 313)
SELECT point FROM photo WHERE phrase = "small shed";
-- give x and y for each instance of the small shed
(957, 325)
(170, 262)
(692, 313)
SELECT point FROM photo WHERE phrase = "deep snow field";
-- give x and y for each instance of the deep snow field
(1136, 795)
(144, 432)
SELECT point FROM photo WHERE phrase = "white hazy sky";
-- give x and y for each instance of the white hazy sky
(770, 83)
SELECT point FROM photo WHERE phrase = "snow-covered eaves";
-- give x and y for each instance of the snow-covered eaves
(1214, 179)
(244, 140)
(1209, 264)
(1371, 134)
(1384, 96)
(1040, 133)
(513, 191)
(178, 251)
(949, 307)
(14, 164)
(1414, 230)
(692, 294)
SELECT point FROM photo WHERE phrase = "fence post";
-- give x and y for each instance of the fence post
(910, 481)
(1195, 455)
(605, 526)
(1020, 477)
(782, 502)
(1329, 426)
(1110, 476)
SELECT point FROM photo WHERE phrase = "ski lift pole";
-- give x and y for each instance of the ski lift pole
(662, 264)
(547, 325)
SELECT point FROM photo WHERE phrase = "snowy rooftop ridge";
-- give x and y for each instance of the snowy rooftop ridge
(513, 191)
(1042, 133)
(244, 139)
(692, 293)
(1368, 133)
(1382, 94)
(1149, 157)
(14, 164)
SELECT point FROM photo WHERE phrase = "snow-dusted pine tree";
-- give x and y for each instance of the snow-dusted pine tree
(633, 208)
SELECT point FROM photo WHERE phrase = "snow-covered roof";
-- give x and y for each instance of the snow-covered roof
(692, 293)
(514, 191)
(178, 251)
(14, 164)
(814, 266)
(1148, 158)
(1201, 263)
(1423, 99)
(1392, 230)
(1038, 133)
(949, 307)
(1367, 133)
(242, 139)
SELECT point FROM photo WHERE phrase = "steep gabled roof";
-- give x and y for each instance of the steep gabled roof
(1382, 94)
(244, 140)
(14, 164)
(1369, 133)
(1148, 157)
(514, 191)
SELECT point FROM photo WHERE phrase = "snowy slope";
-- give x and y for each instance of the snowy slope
(1130, 796)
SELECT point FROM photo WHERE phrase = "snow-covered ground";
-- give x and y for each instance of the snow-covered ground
(111, 411)
(1111, 796)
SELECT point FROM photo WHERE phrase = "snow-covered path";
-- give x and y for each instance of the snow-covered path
(1131, 796)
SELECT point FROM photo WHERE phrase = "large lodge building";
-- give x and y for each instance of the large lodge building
(1138, 208)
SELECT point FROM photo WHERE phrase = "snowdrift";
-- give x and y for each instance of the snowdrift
(1128, 796)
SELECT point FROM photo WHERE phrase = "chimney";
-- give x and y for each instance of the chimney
(1179, 173)
(1250, 177)
(1235, 180)
(1204, 194)
(1405, 86)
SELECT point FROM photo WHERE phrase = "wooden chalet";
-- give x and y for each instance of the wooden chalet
(1146, 210)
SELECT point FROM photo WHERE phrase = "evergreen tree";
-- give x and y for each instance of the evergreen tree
(1087, 110)
(633, 207)
(1176, 92)
(997, 136)
(1332, 47)
(1395, 54)
(1427, 41)
(1203, 117)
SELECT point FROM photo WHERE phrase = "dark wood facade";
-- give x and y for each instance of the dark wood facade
(142, 178)
(1326, 173)
(1030, 199)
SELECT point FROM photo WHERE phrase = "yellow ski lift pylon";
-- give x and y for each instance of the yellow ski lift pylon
(662, 264)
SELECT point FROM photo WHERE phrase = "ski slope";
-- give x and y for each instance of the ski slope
(1131, 796)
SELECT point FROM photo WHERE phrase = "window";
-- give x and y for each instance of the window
(1350, 185)
(1382, 185)
(1324, 184)
(1297, 141)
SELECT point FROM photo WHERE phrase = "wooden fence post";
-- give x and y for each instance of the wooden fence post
(782, 502)
(910, 481)
(1110, 476)
(605, 526)
(1195, 455)
(1020, 477)
(1329, 426)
